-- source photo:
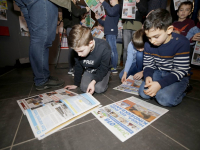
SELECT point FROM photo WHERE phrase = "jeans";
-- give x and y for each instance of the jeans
(170, 95)
(111, 39)
(41, 17)
(136, 66)
(127, 36)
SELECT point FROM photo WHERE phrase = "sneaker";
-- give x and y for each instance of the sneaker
(71, 71)
(52, 82)
(188, 89)
(114, 70)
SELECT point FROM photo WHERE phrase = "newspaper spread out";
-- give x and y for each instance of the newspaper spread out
(55, 115)
(129, 9)
(196, 54)
(178, 2)
(97, 33)
(89, 22)
(130, 86)
(96, 7)
(127, 117)
(43, 99)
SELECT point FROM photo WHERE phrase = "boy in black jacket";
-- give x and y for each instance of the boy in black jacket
(92, 67)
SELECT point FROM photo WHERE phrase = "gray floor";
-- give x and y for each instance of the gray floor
(177, 129)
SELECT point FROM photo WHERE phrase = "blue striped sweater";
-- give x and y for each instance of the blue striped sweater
(173, 56)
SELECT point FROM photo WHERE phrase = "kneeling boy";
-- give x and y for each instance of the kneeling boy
(166, 60)
(92, 64)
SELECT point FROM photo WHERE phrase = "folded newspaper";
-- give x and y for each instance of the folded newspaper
(97, 33)
(51, 111)
(129, 86)
(127, 117)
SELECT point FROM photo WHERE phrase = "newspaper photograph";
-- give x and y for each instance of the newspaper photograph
(129, 9)
(97, 33)
(196, 54)
(130, 86)
(96, 7)
(42, 99)
(51, 115)
(127, 117)
(88, 21)
(178, 2)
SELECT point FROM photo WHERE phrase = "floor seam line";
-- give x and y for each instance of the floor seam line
(16, 131)
(170, 137)
(108, 98)
(7, 72)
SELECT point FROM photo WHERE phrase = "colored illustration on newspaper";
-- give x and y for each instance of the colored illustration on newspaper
(129, 9)
(97, 33)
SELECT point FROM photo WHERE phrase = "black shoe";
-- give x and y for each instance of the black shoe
(52, 82)
(188, 89)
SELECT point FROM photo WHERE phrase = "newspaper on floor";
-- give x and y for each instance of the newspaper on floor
(178, 2)
(96, 7)
(196, 54)
(129, 9)
(130, 86)
(127, 117)
(97, 33)
(53, 116)
(43, 99)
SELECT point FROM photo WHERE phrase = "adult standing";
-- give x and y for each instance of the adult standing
(132, 25)
(155, 4)
(41, 17)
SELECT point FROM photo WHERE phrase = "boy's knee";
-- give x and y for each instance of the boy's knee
(100, 89)
(165, 100)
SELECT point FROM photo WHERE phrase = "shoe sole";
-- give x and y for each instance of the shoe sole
(48, 87)
(114, 72)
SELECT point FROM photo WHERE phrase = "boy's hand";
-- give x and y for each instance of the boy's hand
(91, 87)
(138, 75)
(148, 80)
(96, 16)
(124, 77)
(101, 1)
(196, 37)
(70, 87)
(153, 88)
(137, 1)
(88, 9)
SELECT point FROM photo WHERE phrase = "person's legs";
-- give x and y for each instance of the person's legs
(85, 81)
(127, 36)
(133, 70)
(102, 86)
(111, 39)
(139, 60)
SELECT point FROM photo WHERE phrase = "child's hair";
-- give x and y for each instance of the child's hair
(158, 19)
(138, 39)
(79, 36)
(186, 3)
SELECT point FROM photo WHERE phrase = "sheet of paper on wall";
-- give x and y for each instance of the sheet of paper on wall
(196, 54)
(16, 8)
(3, 4)
(130, 86)
(129, 9)
(23, 27)
(3, 14)
(127, 117)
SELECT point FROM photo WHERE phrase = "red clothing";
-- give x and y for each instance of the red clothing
(184, 26)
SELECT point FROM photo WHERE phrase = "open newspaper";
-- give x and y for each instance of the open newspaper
(178, 2)
(53, 116)
(127, 117)
(129, 9)
(129, 86)
(96, 7)
(196, 54)
(89, 22)
(97, 33)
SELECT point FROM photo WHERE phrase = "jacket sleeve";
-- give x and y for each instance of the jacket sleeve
(77, 12)
(111, 11)
(101, 22)
(142, 7)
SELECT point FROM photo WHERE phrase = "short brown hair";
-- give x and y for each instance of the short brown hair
(138, 39)
(79, 36)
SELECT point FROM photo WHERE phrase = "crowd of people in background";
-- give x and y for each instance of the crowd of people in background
(157, 46)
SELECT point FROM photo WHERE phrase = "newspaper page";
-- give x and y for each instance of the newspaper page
(129, 86)
(196, 54)
(3, 4)
(89, 22)
(97, 33)
(96, 7)
(178, 2)
(51, 115)
(129, 9)
(42, 99)
(127, 117)
(120, 27)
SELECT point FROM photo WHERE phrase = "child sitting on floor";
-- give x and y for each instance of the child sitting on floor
(134, 62)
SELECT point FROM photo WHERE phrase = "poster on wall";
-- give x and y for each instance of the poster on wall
(23, 26)
(16, 8)
(3, 14)
(3, 4)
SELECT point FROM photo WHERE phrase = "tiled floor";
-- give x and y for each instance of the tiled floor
(177, 129)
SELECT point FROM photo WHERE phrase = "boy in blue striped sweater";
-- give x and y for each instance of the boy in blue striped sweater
(166, 60)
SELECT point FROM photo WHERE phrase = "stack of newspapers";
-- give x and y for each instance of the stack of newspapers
(51, 111)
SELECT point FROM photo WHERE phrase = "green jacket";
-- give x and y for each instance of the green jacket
(63, 3)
